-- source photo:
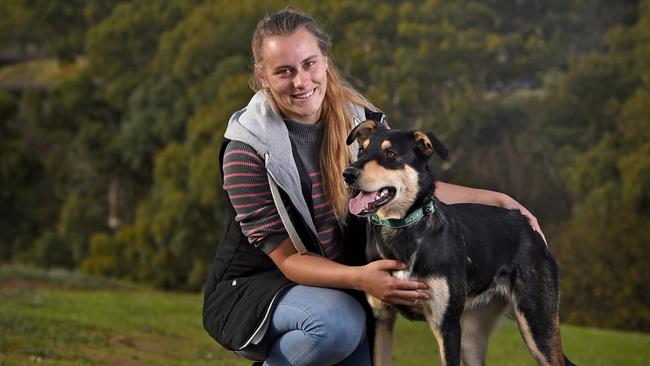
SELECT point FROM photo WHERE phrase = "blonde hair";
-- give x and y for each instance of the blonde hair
(335, 115)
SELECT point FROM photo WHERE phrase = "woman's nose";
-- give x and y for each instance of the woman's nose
(299, 79)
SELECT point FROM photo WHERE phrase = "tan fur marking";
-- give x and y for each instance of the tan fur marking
(375, 303)
(441, 348)
(371, 124)
(374, 177)
(380, 309)
(435, 308)
(384, 326)
(421, 137)
(406, 183)
(476, 323)
(364, 131)
(528, 337)
(386, 145)
(558, 354)
(437, 305)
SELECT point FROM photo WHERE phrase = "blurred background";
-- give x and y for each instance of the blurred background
(112, 113)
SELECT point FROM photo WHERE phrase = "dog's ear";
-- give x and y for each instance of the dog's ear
(427, 143)
(361, 132)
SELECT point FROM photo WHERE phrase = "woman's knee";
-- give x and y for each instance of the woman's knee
(338, 325)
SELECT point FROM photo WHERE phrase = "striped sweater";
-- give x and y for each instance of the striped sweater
(246, 184)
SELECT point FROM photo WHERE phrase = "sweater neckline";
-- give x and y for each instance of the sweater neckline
(304, 132)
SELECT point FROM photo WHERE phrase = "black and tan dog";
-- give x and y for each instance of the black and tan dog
(476, 259)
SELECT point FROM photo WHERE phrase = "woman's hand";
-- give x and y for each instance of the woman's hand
(375, 279)
(510, 203)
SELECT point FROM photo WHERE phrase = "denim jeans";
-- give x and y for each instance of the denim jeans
(318, 326)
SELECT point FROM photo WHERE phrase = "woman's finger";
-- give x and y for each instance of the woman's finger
(411, 285)
(390, 264)
(410, 295)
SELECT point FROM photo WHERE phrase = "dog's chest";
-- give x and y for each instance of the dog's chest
(394, 244)
(403, 275)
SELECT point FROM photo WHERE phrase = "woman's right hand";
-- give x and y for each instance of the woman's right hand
(376, 280)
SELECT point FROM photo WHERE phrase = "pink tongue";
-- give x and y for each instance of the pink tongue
(358, 203)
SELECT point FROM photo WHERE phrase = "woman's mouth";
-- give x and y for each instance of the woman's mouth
(304, 95)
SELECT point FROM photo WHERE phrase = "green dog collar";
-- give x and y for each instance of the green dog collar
(411, 219)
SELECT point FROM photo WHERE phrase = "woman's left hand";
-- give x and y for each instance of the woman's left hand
(509, 202)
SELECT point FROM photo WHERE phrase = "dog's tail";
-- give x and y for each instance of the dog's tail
(568, 362)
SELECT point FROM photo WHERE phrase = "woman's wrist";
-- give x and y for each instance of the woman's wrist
(356, 278)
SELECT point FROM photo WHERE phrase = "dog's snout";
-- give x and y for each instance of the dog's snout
(351, 174)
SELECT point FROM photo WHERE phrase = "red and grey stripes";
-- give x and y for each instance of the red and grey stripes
(246, 184)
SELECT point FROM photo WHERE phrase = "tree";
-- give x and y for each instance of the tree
(20, 173)
(604, 244)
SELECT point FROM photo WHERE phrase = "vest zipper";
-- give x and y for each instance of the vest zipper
(267, 314)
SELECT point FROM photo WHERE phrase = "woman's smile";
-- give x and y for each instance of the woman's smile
(305, 95)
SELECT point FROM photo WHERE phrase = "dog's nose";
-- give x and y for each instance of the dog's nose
(351, 174)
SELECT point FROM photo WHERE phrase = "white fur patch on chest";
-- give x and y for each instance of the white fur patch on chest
(403, 275)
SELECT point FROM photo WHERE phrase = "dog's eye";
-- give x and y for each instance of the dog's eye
(391, 154)
(361, 151)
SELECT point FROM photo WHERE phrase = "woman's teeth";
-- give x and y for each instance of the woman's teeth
(305, 95)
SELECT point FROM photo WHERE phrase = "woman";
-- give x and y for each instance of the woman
(265, 297)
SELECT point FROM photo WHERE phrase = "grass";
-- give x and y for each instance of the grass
(64, 318)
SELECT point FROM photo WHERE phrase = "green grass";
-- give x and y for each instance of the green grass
(63, 318)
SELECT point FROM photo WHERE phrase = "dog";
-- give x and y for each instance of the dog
(476, 259)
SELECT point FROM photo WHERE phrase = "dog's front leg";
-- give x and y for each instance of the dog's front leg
(384, 323)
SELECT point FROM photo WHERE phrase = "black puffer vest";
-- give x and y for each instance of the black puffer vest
(244, 282)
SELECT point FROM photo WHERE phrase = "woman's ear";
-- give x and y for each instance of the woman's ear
(259, 74)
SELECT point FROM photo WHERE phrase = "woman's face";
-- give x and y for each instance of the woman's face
(294, 70)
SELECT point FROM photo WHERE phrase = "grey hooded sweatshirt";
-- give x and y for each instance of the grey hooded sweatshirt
(261, 126)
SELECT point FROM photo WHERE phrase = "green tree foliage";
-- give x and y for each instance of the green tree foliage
(58, 27)
(20, 172)
(605, 243)
(200, 75)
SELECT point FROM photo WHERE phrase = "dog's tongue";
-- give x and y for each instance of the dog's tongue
(358, 203)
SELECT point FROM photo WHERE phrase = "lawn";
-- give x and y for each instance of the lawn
(63, 318)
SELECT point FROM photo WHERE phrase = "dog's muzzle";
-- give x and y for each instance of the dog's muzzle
(351, 174)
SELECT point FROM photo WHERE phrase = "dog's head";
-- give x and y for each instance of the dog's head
(392, 171)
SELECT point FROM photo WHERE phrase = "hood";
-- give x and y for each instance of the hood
(261, 126)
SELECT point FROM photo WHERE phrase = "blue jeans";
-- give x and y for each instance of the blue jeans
(318, 326)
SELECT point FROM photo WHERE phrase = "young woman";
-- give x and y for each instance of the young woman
(266, 298)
